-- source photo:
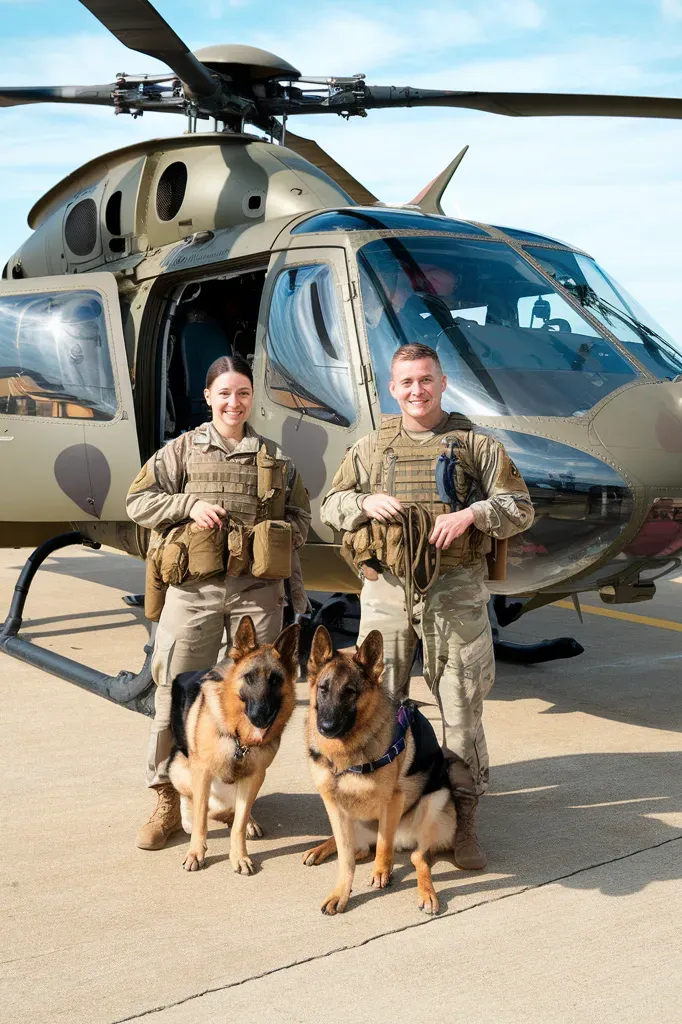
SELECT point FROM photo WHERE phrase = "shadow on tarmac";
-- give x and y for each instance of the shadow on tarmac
(637, 697)
(545, 820)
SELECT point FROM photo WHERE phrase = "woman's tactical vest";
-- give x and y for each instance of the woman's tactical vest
(233, 482)
(406, 468)
(255, 538)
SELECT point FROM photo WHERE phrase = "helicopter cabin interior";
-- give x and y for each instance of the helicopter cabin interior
(207, 319)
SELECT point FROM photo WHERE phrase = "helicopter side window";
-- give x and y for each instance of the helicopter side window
(307, 365)
(54, 356)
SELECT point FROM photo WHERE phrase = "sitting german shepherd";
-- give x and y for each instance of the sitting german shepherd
(227, 725)
(380, 771)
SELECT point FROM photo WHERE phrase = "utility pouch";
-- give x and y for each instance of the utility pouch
(356, 547)
(394, 554)
(271, 489)
(272, 547)
(238, 549)
(174, 564)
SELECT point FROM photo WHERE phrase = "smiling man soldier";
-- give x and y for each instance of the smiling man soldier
(428, 460)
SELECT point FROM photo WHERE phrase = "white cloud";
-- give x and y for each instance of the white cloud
(671, 10)
(348, 42)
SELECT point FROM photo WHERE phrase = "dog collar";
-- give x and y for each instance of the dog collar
(240, 749)
(405, 718)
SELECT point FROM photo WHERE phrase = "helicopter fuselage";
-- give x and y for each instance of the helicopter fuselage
(149, 262)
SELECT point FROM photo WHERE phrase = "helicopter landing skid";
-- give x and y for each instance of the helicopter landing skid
(340, 610)
(131, 690)
(534, 654)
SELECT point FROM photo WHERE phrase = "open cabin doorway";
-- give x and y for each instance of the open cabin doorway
(208, 319)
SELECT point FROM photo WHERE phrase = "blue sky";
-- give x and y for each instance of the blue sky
(611, 186)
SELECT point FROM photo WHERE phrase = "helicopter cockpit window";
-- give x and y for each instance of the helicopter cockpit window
(307, 363)
(508, 342)
(382, 218)
(609, 302)
(54, 357)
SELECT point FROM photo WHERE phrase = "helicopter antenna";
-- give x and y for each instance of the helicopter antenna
(428, 200)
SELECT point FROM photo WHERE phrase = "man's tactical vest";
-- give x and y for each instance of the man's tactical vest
(406, 468)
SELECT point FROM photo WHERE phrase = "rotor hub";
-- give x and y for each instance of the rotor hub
(245, 62)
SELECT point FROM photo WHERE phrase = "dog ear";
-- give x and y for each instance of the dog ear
(321, 652)
(245, 639)
(370, 656)
(286, 645)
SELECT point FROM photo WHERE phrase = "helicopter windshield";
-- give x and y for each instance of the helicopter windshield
(508, 342)
(611, 304)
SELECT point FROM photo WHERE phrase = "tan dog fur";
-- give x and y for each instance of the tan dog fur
(390, 797)
(211, 778)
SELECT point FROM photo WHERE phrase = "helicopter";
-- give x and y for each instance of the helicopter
(149, 262)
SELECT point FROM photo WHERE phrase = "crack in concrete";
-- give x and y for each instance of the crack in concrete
(395, 931)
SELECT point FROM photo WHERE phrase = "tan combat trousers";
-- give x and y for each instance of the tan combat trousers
(459, 664)
(189, 637)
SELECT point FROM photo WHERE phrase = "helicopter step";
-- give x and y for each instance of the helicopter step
(131, 690)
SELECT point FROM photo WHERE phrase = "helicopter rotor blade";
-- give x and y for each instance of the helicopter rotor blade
(139, 26)
(523, 104)
(94, 95)
(314, 154)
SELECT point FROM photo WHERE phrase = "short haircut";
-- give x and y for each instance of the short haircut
(410, 353)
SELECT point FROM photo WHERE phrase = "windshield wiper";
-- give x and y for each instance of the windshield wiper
(589, 299)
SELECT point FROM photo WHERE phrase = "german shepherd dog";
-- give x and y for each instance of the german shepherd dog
(227, 725)
(404, 803)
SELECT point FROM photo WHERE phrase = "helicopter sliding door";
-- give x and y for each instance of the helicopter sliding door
(310, 395)
(68, 446)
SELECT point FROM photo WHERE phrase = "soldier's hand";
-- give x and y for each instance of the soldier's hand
(450, 526)
(383, 507)
(206, 515)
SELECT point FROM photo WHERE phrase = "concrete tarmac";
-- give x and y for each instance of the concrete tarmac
(576, 918)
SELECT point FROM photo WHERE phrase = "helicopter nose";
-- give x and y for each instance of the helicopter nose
(641, 428)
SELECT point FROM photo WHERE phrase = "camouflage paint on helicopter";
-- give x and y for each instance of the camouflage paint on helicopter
(83, 473)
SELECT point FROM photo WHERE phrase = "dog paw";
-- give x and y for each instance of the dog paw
(318, 854)
(194, 861)
(428, 901)
(381, 876)
(242, 865)
(253, 829)
(334, 904)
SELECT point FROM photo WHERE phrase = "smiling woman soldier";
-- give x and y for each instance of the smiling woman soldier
(389, 475)
(228, 511)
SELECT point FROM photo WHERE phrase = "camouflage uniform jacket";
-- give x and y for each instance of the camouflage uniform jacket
(505, 509)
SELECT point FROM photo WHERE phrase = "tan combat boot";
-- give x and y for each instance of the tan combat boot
(164, 821)
(469, 854)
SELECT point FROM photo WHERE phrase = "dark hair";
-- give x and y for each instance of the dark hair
(409, 353)
(228, 364)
